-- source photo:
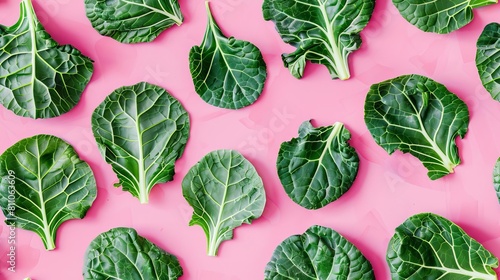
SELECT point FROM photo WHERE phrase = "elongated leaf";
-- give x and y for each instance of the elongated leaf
(439, 16)
(39, 78)
(415, 114)
(488, 59)
(323, 31)
(319, 166)
(318, 254)
(141, 131)
(428, 246)
(225, 191)
(226, 72)
(121, 253)
(133, 21)
(496, 178)
(43, 184)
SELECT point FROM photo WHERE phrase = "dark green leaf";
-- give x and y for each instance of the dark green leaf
(141, 131)
(121, 253)
(318, 254)
(415, 114)
(488, 59)
(226, 72)
(496, 178)
(428, 246)
(39, 78)
(225, 191)
(43, 184)
(323, 31)
(319, 166)
(133, 21)
(439, 16)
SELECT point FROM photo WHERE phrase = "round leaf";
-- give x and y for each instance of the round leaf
(44, 183)
(439, 16)
(121, 253)
(415, 114)
(38, 77)
(319, 166)
(133, 21)
(226, 72)
(141, 130)
(428, 246)
(225, 191)
(318, 254)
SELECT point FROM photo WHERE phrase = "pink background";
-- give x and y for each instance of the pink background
(388, 189)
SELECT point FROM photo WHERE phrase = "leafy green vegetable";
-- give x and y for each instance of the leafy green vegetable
(415, 114)
(39, 78)
(319, 166)
(133, 21)
(141, 130)
(496, 178)
(318, 254)
(226, 72)
(439, 16)
(43, 184)
(323, 31)
(488, 59)
(428, 246)
(225, 191)
(121, 253)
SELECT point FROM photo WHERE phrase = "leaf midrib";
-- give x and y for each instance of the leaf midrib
(163, 12)
(334, 49)
(46, 229)
(223, 54)
(143, 188)
(337, 127)
(473, 274)
(215, 237)
(446, 161)
(34, 50)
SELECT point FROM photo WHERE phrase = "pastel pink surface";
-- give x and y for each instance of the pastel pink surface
(388, 189)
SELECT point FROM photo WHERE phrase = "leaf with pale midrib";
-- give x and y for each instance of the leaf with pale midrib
(318, 254)
(488, 59)
(226, 72)
(141, 130)
(428, 246)
(121, 253)
(323, 31)
(496, 179)
(52, 185)
(225, 191)
(419, 116)
(439, 16)
(133, 21)
(38, 77)
(319, 166)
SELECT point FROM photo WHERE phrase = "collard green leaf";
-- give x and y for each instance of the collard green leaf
(415, 114)
(226, 72)
(318, 254)
(439, 16)
(225, 191)
(323, 31)
(428, 246)
(133, 21)
(43, 184)
(39, 78)
(488, 59)
(496, 178)
(121, 253)
(319, 166)
(141, 131)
